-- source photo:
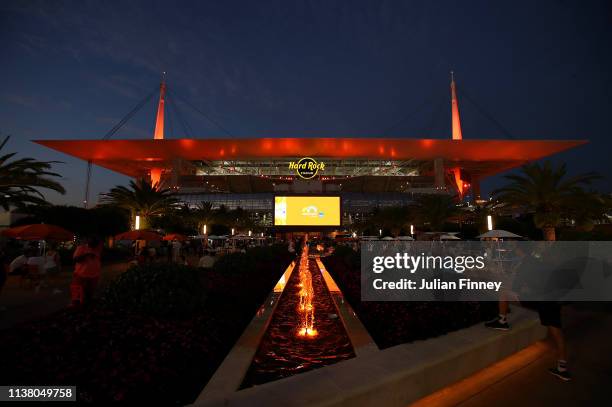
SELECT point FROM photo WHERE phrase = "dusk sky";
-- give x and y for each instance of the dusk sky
(73, 69)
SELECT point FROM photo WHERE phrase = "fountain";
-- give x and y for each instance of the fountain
(304, 333)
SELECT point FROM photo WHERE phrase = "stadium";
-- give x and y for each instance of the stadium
(364, 172)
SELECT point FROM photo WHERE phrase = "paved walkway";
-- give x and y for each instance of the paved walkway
(589, 337)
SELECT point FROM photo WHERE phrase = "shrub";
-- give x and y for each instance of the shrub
(254, 259)
(393, 323)
(162, 290)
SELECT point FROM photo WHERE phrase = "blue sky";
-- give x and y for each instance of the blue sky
(72, 69)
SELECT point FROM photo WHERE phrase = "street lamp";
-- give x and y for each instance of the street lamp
(250, 233)
(204, 229)
(137, 223)
(232, 231)
(411, 230)
(489, 222)
(379, 232)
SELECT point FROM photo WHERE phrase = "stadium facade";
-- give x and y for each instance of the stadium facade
(365, 172)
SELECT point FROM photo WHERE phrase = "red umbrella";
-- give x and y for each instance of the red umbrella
(39, 232)
(175, 236)
(139, 235)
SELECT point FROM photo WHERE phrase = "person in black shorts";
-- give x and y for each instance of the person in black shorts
(549, 313)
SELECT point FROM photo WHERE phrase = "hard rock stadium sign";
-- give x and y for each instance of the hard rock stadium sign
(307, 168)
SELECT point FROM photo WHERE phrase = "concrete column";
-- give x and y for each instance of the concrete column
(439, 173)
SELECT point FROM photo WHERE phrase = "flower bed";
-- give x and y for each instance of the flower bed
(393, 323)
(144, 341)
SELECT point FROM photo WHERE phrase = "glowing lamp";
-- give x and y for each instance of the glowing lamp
(489, 222)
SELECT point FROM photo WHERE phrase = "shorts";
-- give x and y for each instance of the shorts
(548, 311)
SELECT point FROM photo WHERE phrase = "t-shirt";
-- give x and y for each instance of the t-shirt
(50, 260)
(91, 265)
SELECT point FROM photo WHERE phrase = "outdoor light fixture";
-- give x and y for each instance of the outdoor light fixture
(250, 233)
(412, 229)
(379, 232)
(137, 223)
(489, 222)
(205, 228)
(232, 231)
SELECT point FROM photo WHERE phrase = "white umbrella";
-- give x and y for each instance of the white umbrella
(499, 234)
(449, 236)
(387, 238)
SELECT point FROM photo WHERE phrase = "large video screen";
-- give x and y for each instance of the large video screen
(307, 211)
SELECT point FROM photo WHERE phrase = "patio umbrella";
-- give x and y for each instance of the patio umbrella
(39, 232)
(139, 235)
(499, 234)
(175, 236)
(449, 236)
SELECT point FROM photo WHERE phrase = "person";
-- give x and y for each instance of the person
(53, 263)
(87, 269)
(151, 253)
(176, 250)
(184, 261)
(141, 258)
(207, 260)
(549, 312)
(37, 263)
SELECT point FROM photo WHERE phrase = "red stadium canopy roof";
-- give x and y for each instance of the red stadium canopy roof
(135, 157)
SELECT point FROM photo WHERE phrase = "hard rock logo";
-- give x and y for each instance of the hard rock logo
(307, 168)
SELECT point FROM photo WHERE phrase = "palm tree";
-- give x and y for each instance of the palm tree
(21, 179)
(141, 198)
(435, 210)
(392, 219)
(204, 214)
(548, 193)
(243, 220)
